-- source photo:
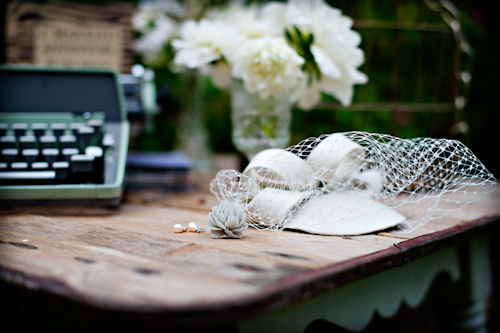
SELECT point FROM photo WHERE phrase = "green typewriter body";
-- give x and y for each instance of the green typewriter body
(63, 136)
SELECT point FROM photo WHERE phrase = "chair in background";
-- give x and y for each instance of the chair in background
(419, 65)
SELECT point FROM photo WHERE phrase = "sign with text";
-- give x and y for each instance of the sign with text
(66, 44)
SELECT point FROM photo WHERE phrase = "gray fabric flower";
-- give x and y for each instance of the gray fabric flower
(227, 221)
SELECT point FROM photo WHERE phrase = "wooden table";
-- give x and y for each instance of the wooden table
(128, 264)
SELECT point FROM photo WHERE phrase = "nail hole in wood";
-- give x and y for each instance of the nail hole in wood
(24, 246)
(284, 255)
(85, 261)
(250, 268)
(146, 271)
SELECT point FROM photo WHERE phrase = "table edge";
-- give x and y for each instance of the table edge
(284, 292)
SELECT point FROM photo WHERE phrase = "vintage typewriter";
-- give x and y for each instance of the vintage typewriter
(63, 136)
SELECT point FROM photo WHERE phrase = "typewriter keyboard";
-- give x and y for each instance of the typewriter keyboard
(49, 148)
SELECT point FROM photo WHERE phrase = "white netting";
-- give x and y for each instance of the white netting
(370, 179)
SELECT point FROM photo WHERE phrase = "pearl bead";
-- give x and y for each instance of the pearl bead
(178, 228)
(192, 227)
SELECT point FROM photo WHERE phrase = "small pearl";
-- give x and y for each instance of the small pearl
(178, 228)
(192, 227)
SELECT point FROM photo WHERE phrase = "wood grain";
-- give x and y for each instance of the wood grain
(129, 258)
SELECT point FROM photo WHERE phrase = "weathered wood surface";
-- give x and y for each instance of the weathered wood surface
(130, 259)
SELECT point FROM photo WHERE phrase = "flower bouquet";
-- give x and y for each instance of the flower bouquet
(272, 57)
(301, 48)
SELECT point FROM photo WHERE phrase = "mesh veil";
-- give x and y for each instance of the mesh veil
(421, 178)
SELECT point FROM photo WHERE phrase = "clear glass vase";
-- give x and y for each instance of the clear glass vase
(192, 134)
(258, 124)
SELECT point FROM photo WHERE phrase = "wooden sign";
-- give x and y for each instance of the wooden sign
(68, 34)
(66, 44)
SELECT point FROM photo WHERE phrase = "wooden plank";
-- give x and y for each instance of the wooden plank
(202, 202)
(305, 251)
(130, 259)
(138, 237)
(110, 279)
(488, 205)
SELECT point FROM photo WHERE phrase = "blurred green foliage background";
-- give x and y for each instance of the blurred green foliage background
(419, 55)
(406, 68)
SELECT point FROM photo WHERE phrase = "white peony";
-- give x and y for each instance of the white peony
(203, 42)
(268, 66)
(334, 47)
(246, 20)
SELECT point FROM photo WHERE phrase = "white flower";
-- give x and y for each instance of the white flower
(244, 23)
(268, 66)
(203, 42)
(141, 18)
(246, 20)
(148, 8)
(154, 40)
(334, 47)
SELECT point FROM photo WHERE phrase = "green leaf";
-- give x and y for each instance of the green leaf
(268, 129)
(299, 34)
(318, 72)
(311, 39)
(288, 36)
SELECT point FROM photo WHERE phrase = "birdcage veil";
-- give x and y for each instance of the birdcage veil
(355, 182)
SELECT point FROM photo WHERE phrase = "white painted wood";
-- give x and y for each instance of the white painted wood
(353, 305)
(462, 306)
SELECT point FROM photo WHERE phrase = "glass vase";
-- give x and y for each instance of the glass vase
(192, 134)
(258, 124)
